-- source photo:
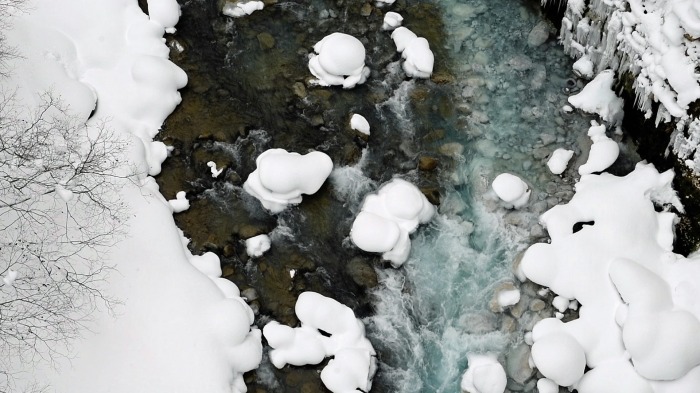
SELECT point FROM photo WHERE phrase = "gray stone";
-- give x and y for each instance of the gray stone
(518, 365)
(266, 40)
(537, 305)
(249, 294)
(539, 34)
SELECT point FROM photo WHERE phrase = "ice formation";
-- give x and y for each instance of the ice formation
(241, 8)
(484, 375)
(656, 43)
(599, 98)
(511, 189)
(257, 245)
(559, 160)
(340, 60)
(180, 203)
(392, 20)
(418, 58)
(281, 177)
(328, 328)
(359, 123)
(638, 327)
(603, 153)
(388, 217)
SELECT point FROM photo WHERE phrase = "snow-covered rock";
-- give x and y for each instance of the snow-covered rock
(180, 203)
(392, 20)
(359, 123)
(484, 375)
(215, 172)
(511, 189)
(281, 177)
(388, 217)
(603, 153)
(340, 60)
(237, 9)
(559, 160)
(257, 245)
(599, 98)
(354, 362)
(418, 58)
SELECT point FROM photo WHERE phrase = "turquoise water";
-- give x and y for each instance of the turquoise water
(434, 310)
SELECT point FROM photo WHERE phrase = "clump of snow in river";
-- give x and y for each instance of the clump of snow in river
(418, 58)
(388, 217)
(392, 20)
(359, 123)
(340, 60)
(180, 203)
(257, 245)
(599, 98)
(484, 375)
(109, 50)
(237, 9)
(328, 328)
(604, 151)
(559, 160)
(281, 177)
(512, 190)
(638, 327)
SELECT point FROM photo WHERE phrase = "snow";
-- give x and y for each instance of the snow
(359, 123)
(511, 189)
(281, 177)
(392, 20)
(215, 172)
(190, 332)
(545, 385)
(559, 160)
(180, 203)
(484, 375)
(599, 98)
(241, 8)
(508, 298)
(388, 217)
(584, 67)
(603, 153)
(418, 58)
(10, 277)
(353, 364)
(340, 60)
(256, 246)
(638, 328)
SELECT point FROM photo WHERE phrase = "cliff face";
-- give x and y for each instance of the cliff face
(654, 49)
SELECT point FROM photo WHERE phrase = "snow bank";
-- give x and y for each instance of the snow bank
(354, 362)
(359, 123)
(484, 375)
(418, 58)
(241, 8)
(638, 300)
(388, 217)
(164, 12)
(340, 60)
(599, 98)
(281, 177)
(392, 20)
(559, 160)
(257, 245)
(511, 189)
(603, 153)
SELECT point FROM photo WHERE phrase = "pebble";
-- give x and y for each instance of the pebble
(539, 34)
(537, 305)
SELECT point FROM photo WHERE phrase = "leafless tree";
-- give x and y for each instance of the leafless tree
(59, 212)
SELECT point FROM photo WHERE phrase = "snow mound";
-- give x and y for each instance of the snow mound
(559, 160)
(584, 67)
(180, 203)
(257, 245)
(164, 12)
(359, 123)
(241, 8)
(418, 58)
(215, 172)
(392, 20)
(354, 362)
(511, 189)
(340, 60)
(638, 328)
(281, 177)
(388, 217)
(603, 153)
(599, 98)
(484, 375)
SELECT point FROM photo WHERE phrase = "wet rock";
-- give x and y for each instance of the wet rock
(478, 323)
(494, 306)
(537, 305)
(299, 89)
(520, 63)
(229, 251)
(541, 153)
(362, 273)
(432, 194)
(539, 34)
(518, 365)
(249, 294)
(452, 149)
(508, 324)
(442, 78)
(366, 10)
(266, 40)
(247, 231)
(427, 163)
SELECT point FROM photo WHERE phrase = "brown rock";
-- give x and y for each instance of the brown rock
(362, 273)
(426, 163)
(366, 10)
(433, 195)
(266, 40)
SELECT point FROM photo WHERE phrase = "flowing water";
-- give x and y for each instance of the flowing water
(494, 105)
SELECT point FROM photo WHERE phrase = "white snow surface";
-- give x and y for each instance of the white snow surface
(418, 58)
(484, 375)
(559, 160)
(388, 217)
(340, 60)
(508, 298)
(189, 331)
(511, 189)
(257, 245)
(359, 123)
(599, 98)
(180, 203)
(215, 172)
(638, 327)
(281, 177)
(354, 362)
(241, 8)
(604, 151)
(392, 20)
